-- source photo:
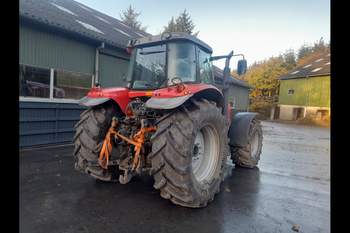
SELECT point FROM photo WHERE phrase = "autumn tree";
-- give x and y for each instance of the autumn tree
(263, 77)
(129, 17)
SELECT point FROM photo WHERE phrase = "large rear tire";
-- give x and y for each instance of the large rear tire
(189, 152)
(249, 155)
(90, 132)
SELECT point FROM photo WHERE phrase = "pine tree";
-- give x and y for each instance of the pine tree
(183, 23)
(129, 17)
(289, 59)
(320, 46)
(303, 51)
(171, 27)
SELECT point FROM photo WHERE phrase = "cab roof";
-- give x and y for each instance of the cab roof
(172, 36)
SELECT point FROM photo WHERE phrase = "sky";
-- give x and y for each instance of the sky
(257, 28)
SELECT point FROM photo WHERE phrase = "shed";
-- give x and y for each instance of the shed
(64, 47)
(305, 91)
(238, 90)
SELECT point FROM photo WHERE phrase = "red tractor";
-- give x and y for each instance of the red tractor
(170, 122)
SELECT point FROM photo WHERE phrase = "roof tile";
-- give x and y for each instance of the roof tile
(219, 74)
(320, 66)
(70, 15)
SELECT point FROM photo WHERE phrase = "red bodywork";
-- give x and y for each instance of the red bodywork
(122, 96)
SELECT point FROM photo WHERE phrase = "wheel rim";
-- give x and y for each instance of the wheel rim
(205, 153)
(254, 145)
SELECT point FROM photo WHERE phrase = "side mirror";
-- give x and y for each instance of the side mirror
(242, 67)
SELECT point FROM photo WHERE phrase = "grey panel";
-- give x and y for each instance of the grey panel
(47, 123)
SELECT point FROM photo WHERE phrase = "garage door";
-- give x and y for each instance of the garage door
(112, 70)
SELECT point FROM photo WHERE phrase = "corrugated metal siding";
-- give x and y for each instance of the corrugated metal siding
(44, 49)
(241, 97)
(312, 91)
(47, 123)
(112, 70)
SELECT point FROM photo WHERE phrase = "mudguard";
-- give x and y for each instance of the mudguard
(170, 98)
(97, 96)
(239, 128)
(166, 103)
(90, 102)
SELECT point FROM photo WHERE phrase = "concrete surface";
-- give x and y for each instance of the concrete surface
(291, 187)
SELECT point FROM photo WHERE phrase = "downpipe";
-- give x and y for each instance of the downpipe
(97, 60)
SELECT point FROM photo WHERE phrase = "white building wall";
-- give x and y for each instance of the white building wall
(286, 112)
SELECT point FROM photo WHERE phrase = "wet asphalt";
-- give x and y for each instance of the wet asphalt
(290, 188)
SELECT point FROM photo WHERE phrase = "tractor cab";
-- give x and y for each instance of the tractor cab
(164, 60)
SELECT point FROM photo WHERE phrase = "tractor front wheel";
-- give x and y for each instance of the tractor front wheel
(248, 156)
(189, 152)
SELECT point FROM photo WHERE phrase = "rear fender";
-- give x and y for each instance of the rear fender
(90, 102)
(98, 96)
(170, 102)
(211, 94)
(239, 128)
(166, 103)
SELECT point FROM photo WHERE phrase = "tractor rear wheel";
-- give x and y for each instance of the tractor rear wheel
(90, 132)
(249, 155)
(189, 152)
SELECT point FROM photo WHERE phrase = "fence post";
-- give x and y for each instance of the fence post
(272, 114)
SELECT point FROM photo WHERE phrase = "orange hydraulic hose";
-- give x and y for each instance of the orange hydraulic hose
(137, 141)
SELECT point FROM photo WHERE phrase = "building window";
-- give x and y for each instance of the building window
(71, 85)
(53, 84)
(34, 82)
(290, 91)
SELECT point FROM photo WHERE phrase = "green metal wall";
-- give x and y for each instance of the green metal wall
(112, 70)
(241, 97)
(43, 49)
(312, 91)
